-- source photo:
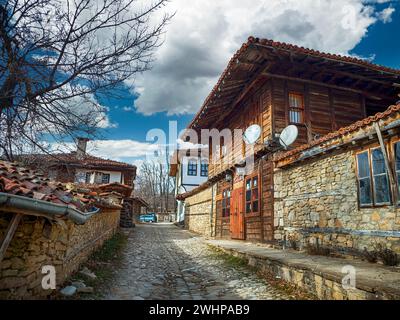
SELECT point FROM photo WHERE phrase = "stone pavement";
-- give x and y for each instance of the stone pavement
(319, 274)
(162, 261)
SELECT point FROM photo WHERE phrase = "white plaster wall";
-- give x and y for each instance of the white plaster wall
(80, 175)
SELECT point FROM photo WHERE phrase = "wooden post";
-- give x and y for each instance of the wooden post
(387, 164)
(12, 227)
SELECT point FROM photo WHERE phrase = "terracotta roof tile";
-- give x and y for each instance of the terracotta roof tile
(21, 181)
(71, 158)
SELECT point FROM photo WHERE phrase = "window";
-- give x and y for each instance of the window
(296, 108)
(252, 197)
(226, 203)
(396, 148)
(373, 180)
(88, 177)
(105, 178)
(204, 168)
(192, 167)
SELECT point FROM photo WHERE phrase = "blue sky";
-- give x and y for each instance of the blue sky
(203, 36)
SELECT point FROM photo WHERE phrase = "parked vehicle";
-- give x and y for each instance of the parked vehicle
(149, 217)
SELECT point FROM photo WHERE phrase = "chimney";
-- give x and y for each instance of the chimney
(81, 148)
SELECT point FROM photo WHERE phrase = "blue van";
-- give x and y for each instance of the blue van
(149, 217)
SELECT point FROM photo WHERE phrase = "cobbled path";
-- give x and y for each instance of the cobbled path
(162, 261)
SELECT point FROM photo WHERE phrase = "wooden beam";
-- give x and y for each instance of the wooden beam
(387, 164)
(367, 94)
(12, 227)
(250, 84)
(345, 63)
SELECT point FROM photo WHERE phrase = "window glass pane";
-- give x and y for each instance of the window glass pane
(255, 206)
(365, 191)
(223, 212)
(363, 165)
(255, 182)
(228, 211)
(381, 189)
(397, 154)
(248, 195)
(248, 182)
(248, 207)
(255, 194)
(378, 162)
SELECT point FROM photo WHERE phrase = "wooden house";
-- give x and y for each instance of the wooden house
(274, 85)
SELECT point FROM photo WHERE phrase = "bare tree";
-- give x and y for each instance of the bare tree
(57, 56)
(156, 186)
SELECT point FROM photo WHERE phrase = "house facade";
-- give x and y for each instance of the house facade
(342, 191)
(189, 167)
(83, 168)
(274, 85)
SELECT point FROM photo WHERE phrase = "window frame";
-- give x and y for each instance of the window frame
(393, 157)
(105, 175)
(190, 170)
(203, 163)
(300, 110)
(374, 204)
(227, 200)
(252, 188)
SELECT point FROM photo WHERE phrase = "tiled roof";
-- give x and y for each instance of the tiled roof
(289, 47)
(86, 161)
(342, 131)
(17, 180)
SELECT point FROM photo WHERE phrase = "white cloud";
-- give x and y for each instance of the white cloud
(128, 109)
(111, 149)
(386, 14)
(204, 34)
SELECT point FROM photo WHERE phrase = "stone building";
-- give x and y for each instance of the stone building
(274, 85)
(342, 191)
(46, 223)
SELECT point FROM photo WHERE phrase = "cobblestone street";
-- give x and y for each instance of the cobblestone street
(162, 261)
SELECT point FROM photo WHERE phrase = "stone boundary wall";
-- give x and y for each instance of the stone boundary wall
(37, 243)
(317, 200)
(198, 212)
(323, 286)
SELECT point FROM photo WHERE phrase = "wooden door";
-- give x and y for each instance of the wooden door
(237, 215)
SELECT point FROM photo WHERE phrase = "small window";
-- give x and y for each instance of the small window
(88, 177)
(252, 195)
(105, 178)
(204, 168)
(397, 165)
(373, 180)
(226, 203)
(296, 108)
(192, 167)
(380, 176)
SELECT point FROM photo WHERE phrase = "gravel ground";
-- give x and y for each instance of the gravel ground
(162, 261)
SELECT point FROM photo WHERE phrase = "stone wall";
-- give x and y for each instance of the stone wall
(318, 201)
(200, 213)
(37, 243)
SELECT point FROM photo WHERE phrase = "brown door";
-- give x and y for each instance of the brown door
(237, 215)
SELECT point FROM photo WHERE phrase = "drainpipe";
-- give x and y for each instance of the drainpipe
(49, 208)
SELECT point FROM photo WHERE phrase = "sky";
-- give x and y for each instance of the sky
(202, 37)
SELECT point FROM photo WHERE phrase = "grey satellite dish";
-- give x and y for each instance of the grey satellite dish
(252, 134)
(288, 136)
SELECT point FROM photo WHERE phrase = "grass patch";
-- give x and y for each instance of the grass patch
(102, 263)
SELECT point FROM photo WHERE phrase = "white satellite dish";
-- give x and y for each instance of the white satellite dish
(252, 134)
(288, 136)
